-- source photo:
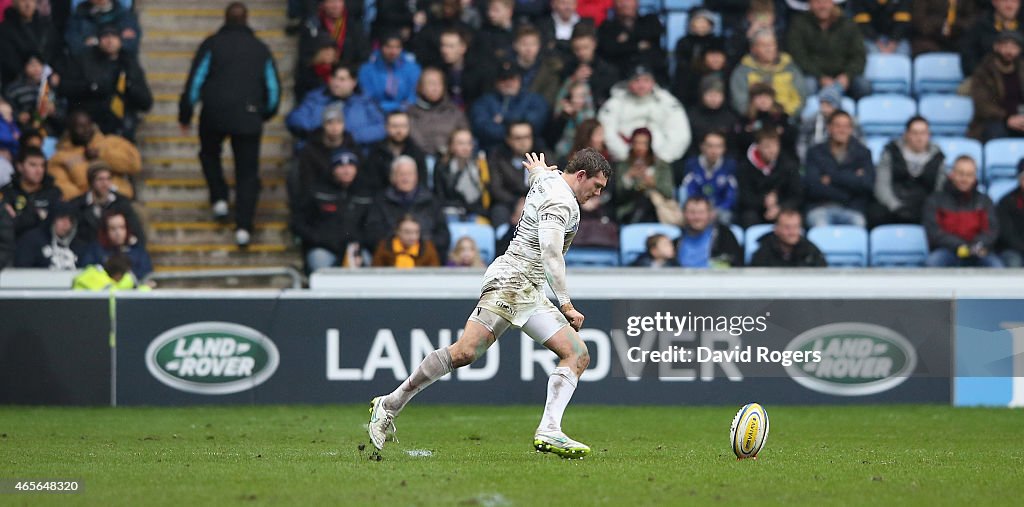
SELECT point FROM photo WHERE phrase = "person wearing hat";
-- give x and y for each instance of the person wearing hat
(508, 103)
(54, 244)
(102, 198)
(700, 35)
(997, 90)
(235, 77)
(330, 219)
(711, 114)
(976, 43)
(640, 103)
(390, 76)
(316, 154)
(109, 83)
(1011, 223)
(766, 64)
(814, 123)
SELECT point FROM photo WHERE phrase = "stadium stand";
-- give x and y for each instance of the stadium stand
(812, 104)
(843, 245)
(888, 73)
(997, 189)
(751, 237)
(898, 246)
(953, 147)
(937, 73)
(885, 114)
(633, 238)
(948, 115)
(1001, 158)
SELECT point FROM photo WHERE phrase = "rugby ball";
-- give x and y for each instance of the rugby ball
(749, 431)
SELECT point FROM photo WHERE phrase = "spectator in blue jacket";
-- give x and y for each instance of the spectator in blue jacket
(509, 103)
(87, 19)
(840, 178)
(390, 76)
(363, 119)
(712, 175)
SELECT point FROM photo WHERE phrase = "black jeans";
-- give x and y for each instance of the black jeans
(246, 150)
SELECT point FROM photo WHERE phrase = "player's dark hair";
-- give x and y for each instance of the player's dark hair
(591, 161)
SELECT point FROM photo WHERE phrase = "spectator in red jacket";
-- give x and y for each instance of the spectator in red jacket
(961, 221)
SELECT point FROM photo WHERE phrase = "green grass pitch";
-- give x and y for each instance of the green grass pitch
(308, 455)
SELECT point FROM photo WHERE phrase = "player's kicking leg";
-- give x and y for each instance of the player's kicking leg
(475, 340)
(573, 360)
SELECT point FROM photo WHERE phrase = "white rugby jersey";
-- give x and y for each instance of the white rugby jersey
(550, 204)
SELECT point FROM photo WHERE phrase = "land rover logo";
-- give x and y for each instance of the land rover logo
(857, 359)
(212, 358)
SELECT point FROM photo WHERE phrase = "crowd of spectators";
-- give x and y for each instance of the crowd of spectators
(71, 92)
(419, 117)
(438, 101)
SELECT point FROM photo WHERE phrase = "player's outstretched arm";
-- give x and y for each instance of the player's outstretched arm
(535, 162)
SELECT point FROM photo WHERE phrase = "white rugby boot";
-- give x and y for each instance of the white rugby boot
(382, 423)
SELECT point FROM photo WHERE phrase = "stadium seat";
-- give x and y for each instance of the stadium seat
(1001, 158)
(592, 257)
(876, 144)
(645, 7)
(937, 73)
(998, 189)
(675, 28)
(500, 231)
(681, 5)
(953, 147)
(898, 246)
(812, 104)
(888, 73)
(885, 115)
(737, 232)
(482, 234)
(751, 236)
(947, 115)
(633, 239)
(843, 245)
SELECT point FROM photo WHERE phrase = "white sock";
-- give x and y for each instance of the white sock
(436, 365)
(561, 385)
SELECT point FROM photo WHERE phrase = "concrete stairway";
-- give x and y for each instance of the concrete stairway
(172, 190)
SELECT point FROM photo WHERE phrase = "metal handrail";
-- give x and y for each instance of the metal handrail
(224, 273)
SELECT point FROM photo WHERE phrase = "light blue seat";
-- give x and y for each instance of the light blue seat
(888, 73)
(645, 7)
(750, 240)
(812, 104)
(499, 231)
(998, 189)
(843, 245)
(483, 235)
(953, 147)
(876, 144)
(682, 5)
(737, 232)
(885, 115)
(1001, 158)
(947, 115)
(937, 73)
(902, 245)
(633, 239)
(675, 28)
(592, 257)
